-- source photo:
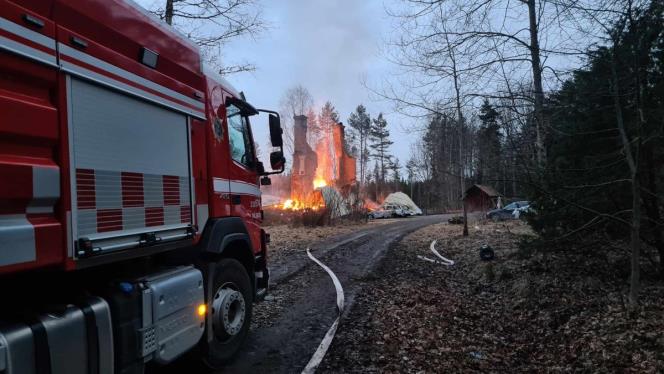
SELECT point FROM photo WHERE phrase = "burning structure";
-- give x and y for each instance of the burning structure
(329, 165)
(305, 162)
(345, 163)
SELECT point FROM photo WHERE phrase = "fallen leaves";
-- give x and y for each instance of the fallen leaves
(535, 312)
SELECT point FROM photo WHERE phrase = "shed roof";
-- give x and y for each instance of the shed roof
(489, 191)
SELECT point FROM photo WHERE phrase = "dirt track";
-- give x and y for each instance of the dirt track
(289, 325)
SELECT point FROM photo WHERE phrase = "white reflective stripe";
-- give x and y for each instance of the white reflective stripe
(71, 52)
(26, 33)
(244, 188)
(45, 189)
(221, 185)
(17, 240)
(102, 79)
(237, 187)
(45, 182)
(201, 216)
(26, 51)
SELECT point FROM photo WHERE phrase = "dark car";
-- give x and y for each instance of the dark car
(507, 212)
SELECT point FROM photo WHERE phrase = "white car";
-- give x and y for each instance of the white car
(380, 213)
(397, 210)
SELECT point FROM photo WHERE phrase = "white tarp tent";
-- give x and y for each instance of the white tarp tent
(402, 200)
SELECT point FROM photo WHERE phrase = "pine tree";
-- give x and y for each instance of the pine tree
(606, 173)
(351, 143)
(380, 143)
(313, 129)
(488, 144)
(376, 179)
(327, 118)
(360, 122)
(396, 173)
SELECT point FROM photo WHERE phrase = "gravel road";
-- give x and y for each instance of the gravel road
(290, 324)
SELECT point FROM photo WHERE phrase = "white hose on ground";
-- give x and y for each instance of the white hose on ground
(446, 261)
(318, 356)
(428, 259)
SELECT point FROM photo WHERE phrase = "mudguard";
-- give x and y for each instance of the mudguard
(220, 233)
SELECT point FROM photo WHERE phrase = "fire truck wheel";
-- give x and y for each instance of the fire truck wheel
(230, 312)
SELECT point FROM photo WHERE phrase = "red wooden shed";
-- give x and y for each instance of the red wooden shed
(480, 198)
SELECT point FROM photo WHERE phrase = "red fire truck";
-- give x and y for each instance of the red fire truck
(130, 206)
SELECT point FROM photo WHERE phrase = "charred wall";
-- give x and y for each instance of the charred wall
(345, 163)
(304, 161)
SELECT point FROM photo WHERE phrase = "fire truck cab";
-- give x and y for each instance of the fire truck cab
(130, 205)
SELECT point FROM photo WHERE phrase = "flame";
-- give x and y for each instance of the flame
(371, 205)
(288, 204)
(325, 147)
(319, 182)
(296, 205)
(313, 201)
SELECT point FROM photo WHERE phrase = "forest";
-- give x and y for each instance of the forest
(566, 111)
(554, 101)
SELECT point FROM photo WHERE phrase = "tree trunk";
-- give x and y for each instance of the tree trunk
(168, 14)
(457, 91)
(537, 84)
(635, 243)
(632, 162)
(651, 206)
(361, 157)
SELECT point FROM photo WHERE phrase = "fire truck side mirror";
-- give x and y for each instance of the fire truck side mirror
(277, 160)
(275, 131)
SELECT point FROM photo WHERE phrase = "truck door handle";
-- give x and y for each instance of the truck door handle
(78, 42)
(34, 21)
(236, 199)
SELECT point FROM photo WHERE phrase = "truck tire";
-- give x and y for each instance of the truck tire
(230, 308)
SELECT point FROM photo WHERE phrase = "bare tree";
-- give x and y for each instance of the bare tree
(296, 101)
(212, 24)
(488, 35)
(631, 149)
(451, 52)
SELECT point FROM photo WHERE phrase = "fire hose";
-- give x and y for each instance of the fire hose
(443, 260)
(318, 356)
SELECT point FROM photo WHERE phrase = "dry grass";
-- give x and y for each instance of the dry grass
(286, 239)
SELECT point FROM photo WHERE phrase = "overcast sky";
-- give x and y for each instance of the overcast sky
(331, 48)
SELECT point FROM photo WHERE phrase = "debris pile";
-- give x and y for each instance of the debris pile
(401, 200)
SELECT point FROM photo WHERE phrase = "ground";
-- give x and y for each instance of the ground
(290, 323)
(526, 310)
(519, 312)
(287, 239)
